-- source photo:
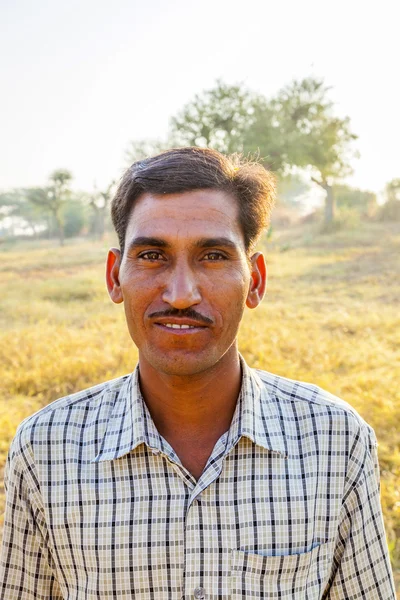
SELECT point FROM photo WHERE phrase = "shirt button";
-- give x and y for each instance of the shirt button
(199, 593)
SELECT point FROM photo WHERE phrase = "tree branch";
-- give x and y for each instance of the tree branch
(317, 182)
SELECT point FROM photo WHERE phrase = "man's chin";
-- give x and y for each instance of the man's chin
(184, 364)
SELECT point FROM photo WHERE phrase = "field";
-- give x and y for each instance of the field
(331, 316)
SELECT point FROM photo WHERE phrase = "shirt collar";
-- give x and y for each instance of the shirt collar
(130, 424)
(256, 415)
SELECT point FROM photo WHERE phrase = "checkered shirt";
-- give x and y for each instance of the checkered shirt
(99, 505)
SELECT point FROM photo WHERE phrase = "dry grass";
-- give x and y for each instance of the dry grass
(331, 316)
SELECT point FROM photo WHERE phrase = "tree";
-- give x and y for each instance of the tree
(140, 149)
(28, 208)
(15, 205)
(73, 218)
(296, 128)
(99, 202)
(390, 210)
(314, 137)
(264, 137)
(34, 216)
(9, 202)
(293, 190)
(54, 197)
(218, 118)
(392, 190)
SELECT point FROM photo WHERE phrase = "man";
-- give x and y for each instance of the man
(195, 476)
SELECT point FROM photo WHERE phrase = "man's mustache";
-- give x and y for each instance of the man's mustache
(189, 313)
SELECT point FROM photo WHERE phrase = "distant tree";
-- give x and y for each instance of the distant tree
(15, 205)
(392, 190)
(9, 202)
(73, 218)
(7, 199)
(390, 210)
(314, 137)
(34, 216)
(99, 201)
(54, 197)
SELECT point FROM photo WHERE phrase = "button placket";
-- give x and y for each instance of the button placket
(194, 552)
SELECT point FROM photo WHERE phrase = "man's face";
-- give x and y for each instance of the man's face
(184, 279)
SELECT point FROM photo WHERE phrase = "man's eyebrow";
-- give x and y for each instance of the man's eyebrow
(147, 241)
(201, 243)
(216, 242)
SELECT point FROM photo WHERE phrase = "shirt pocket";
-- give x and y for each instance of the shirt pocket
(298, 576)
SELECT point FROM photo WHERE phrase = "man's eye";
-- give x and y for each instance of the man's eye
(214, 256)
(151, 255)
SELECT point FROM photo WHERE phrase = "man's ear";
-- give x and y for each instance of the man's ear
(258, 280)
(112, 275)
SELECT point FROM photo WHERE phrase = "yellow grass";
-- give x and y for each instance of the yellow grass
(331, 316)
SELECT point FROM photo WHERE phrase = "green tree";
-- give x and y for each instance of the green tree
(314, 137)
(8, 204)
(15, 204)
(99, 201)
(218, 118)
(296, 128)
(392, 190)
(140, 149)
(54, 197)
(390, 210)
(73, 218)
(34, 216)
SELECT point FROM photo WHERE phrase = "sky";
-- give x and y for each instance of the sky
(81, 79)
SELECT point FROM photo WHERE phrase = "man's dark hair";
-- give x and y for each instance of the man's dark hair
(187, 169)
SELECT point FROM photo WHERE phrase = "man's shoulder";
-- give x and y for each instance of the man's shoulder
(310, 400)
(83, 408)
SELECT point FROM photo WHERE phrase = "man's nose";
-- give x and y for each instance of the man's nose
(182, 289)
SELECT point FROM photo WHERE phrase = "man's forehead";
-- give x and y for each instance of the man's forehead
(209, 210)
(214, 199)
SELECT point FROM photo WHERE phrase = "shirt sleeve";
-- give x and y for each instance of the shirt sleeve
(25, 567)
(361, 560)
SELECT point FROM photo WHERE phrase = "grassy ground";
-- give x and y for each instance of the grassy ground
(331, 316)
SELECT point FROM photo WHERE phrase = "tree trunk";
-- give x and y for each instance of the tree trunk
(329, 212)
(98, 221)
(329, 204)
(61, 234)
(60, 228)
(102, 215)
(32, 228)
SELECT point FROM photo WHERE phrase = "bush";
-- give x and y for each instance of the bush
(390, 211)
(74, 219)
(346, 218)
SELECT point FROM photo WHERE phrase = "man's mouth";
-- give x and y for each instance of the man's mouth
(181, 319)
(176, 326)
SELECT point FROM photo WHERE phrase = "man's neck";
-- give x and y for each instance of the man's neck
(192, 412)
